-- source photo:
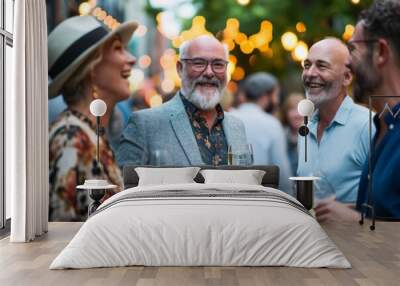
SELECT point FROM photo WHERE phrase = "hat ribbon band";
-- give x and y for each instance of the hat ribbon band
(76, 49)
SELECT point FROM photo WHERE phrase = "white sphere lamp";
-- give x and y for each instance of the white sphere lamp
(98, 107)
(305, 109)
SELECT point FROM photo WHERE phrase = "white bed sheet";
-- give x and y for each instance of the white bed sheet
(192, 231)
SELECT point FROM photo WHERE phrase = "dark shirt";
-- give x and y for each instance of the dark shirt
(212, 143)
(385, 170)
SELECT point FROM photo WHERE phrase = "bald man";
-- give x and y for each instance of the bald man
(339, 135)
(191, 128)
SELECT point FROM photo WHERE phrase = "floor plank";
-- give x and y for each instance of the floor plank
(375, 257)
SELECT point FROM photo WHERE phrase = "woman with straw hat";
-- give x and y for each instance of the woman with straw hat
(87, 61)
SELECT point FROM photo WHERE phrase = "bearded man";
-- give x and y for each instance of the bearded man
(339, 135)
(191, 128)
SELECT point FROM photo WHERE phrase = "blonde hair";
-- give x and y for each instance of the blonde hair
(74, 88)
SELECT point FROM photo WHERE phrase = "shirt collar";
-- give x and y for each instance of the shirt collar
(342, 114)
(392, 115)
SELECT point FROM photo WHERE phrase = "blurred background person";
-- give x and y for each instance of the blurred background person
(86, 62)
(263, 130)
(292, 120)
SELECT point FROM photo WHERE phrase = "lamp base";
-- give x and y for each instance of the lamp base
(96, 195)
(305, 193)
(304, 190)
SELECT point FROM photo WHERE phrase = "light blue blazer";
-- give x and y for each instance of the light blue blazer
(168, 128)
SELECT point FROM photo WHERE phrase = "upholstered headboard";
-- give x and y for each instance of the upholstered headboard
(270, 179)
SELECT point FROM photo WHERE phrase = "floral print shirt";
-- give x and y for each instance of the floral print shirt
(212, 143)
(72, 156)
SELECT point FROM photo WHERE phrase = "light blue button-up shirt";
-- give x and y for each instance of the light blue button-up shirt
(342, 151)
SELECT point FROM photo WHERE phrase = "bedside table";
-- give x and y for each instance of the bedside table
(97, 190)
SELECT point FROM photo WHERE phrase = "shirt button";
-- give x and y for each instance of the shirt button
(391, 126)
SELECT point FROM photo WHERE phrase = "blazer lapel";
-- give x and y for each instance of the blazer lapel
(232, 131)
(183, 131)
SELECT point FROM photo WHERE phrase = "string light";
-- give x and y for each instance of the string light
(247, 47)
(243, 2)
(167, 85)
(136, 78)
(355, 1)
(101, 15)
(144, 61)
(301, 27)
(238, 74)
(240, 38)
(232, 86)
(289, 41)
(229, 44)
(348, 32)
(300, 53)
(84, 8)
(198, 28)
(140, 31)
(155, 100)
(233, 59)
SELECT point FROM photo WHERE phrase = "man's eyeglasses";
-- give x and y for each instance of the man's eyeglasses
(352, 47)
(199, 65)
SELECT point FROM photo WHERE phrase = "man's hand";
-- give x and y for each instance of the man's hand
(331, 210)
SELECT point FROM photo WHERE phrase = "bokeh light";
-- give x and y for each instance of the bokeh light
(167, 85)
(144, 61)
(247, 47)
(243, 2)
(140, 31)
(84, 8)
(155, 100)
(301, 27)
(348, 32)
(238, 74)
(289, 41)
(136, 78)
(300, 53)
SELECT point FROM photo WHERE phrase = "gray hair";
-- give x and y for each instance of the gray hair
(185, 45)
(259, 84)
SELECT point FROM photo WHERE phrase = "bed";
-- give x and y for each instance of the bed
(201, 224)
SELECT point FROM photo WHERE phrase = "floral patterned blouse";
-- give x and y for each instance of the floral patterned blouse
(72, 147)
(212, 143)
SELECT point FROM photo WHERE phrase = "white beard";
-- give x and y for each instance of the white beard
(318, 99)
(205, 101)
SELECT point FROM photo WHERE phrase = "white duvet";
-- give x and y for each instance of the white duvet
(207, 230)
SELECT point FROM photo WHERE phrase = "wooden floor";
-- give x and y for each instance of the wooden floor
(375, 257)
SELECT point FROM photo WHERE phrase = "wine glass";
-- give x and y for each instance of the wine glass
(230, 155)
(241, 155)
(160, 157)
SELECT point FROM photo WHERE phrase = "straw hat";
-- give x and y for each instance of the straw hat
(73, 41)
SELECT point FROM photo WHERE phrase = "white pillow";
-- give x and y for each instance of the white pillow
(166, 176)
(248, 177)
